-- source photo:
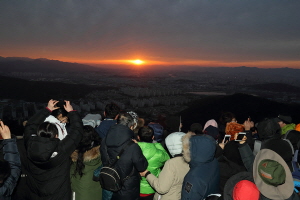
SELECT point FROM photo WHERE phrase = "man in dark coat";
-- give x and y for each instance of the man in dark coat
(10, 168)
(131, 162)
(49, 157)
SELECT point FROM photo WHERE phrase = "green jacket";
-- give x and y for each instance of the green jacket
(156, 156)
(287, 127)
(84, 187)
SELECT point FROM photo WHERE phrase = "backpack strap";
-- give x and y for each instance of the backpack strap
(257, 146)
(120, 153)
(289, 142)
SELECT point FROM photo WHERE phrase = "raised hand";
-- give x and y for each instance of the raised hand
(68, 107)
(248, 125)
(4, 131)
(51, 105)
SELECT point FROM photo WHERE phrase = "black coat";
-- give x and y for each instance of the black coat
(132, 161)
(227, 170)
(11, 155)
(49, 178)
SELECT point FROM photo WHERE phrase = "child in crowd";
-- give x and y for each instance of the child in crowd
(156, 156)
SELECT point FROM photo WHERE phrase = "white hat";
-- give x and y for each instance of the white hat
(174, 143)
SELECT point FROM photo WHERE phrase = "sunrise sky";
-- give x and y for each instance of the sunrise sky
(253, 33)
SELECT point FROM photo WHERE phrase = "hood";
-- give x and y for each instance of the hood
(287, 127)
(198, 149)
(268, 128)
(40, 149)
(88, 155)
(174, 143)
(117, 135)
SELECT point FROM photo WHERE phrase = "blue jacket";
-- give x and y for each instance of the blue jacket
(204, 175)
(11, 155)
(104, 126)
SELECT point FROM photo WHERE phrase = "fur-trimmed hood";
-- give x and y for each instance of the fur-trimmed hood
(88, 155)
(198, 148)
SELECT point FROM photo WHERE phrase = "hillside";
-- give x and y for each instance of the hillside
(39, 91)
(241, 105)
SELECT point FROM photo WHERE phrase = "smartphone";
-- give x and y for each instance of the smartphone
(240, 136)
(227, 138)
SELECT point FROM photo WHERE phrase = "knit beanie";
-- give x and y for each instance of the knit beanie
(245, 190)
(211, 122)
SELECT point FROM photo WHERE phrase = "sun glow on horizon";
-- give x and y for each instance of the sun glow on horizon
(137, 62)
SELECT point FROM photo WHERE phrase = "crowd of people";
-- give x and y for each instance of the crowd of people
(62, 156)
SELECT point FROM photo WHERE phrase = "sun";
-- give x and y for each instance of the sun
(137, 62)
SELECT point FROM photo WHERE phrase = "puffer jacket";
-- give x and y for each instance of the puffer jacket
(49, 158)
(12, 156)
(84, 187)
(169, 182)
(156, 156)
(131, 162)
(204, 175)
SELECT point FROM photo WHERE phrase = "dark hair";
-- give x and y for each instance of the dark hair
(196, 128)
(226, 117)
(47, 130)
(4, 171)
(112, 110)
(146, 134)
(90, 139)
(125, 119)
(59, 111)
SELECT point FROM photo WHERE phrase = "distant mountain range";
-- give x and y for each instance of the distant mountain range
(21, 64)
(24, 64)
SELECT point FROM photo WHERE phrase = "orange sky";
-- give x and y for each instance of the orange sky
(196, 33)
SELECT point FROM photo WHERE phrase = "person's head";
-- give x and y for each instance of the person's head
(140, 124)
(135, 118)
(4, 171)
(283, 120)
(112, 111)
(146, 134)
(196, 128)
(90, 139)
(268, 128)
(272, 175)
(241, 186)
(227, 117)
(47, 130)
(126, 119)
(174, 143)
(61, 114)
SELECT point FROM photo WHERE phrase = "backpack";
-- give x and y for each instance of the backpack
(296, 172)
(109, 177)
(158, 131)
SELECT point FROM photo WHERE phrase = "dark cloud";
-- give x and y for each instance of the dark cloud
(191, 29)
